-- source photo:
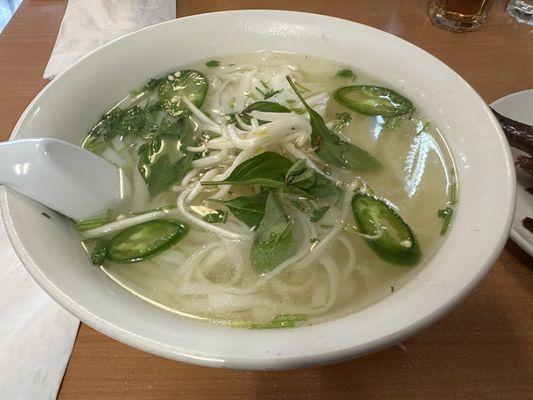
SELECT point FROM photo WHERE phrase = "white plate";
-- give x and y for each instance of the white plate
(519, 106)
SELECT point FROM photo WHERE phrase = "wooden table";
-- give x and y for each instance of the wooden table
(482, 350)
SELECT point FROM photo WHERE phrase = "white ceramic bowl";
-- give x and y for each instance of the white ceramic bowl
(65, 109)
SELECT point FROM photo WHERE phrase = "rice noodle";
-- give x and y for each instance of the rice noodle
(200, 115)
(349, 266)
(198, 186)
(211, 161)
(125, 223)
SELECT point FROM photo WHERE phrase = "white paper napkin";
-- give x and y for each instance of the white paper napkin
(36, 334)
(90, 24)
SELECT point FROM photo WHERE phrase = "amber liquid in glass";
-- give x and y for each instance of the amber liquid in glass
(459, 15)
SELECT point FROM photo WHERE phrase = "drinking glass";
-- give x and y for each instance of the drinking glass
(521, 10)
(459, 15)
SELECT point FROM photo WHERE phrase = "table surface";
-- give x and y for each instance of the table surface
(482, 349)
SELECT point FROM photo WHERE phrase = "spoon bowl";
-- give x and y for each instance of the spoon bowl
(62, 176)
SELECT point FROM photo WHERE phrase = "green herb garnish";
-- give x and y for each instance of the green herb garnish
(279, 321)
(268, 92)
(91, 223)
(345, 73)
(132, 121)
(99, 252)
(453, 194)
(318, 213)
(212, 63)
(219, 216)
(446, 215)
(341, 121)
(150, 86)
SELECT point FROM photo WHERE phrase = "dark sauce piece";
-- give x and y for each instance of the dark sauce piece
(45, 215)
(528, 223)
(519, 135)
(526, 163)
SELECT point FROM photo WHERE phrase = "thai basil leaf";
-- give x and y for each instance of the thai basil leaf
(268, 254)
(314, 184)
(264, 106)
(301, 205)
(274, 241)
(164, 173)
(331, 148)
(324, 188)
(164, 161)
(297, 168)
(306, 180)
(274, 221)
(267, 169)
(301, 176)
(348, 156)
(248, 209)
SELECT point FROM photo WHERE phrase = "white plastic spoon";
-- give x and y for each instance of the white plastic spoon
(62, 176)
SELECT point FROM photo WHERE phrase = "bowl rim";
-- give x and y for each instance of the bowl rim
(318, 358)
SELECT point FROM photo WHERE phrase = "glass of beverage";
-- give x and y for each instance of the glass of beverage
(521, 10)
(459, 15)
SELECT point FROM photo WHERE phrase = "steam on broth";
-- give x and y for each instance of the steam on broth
(269, 190)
